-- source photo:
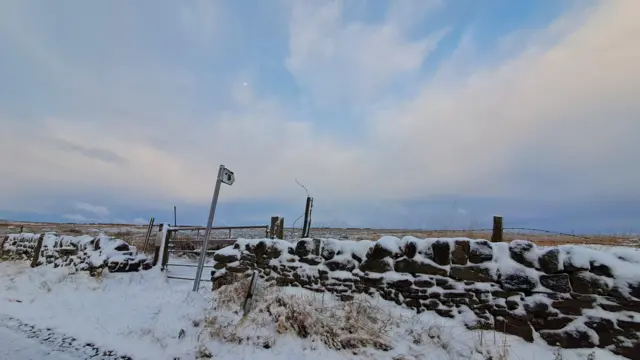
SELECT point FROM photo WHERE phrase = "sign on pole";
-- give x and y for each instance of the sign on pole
(224, 176)
(228, 177)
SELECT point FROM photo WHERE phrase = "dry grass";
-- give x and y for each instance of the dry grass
(231, 296)
(350, 325)
(539, 239)
(134, 234)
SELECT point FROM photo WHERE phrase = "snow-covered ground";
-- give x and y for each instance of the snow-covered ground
(144, 315)
(18, 346)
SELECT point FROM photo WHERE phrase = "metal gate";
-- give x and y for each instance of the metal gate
(187, 241)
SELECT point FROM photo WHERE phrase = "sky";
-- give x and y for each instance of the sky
(414, 113)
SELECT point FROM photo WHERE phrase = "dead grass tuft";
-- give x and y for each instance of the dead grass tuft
(231, 296)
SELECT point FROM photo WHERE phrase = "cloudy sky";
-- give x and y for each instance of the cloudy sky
(413, 113)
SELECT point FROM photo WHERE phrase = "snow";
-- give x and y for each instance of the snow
(623, 270)
(15, 346)
(477, 248)
(229, 251)
(390, 243)
(139, 314)
(142, 314)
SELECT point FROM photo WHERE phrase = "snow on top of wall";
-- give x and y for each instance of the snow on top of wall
(624, 263)
(101, 249)
(389, 243)
(621, 269)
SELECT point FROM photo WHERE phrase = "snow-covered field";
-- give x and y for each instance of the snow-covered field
(49, 313)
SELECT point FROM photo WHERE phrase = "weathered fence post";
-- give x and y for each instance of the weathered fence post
(247, 299)
(158, 245)
(36, 251)
(21, 228)
(4, 240)
(306, 228)
(280, 227)
(272, 227)
(497, 235)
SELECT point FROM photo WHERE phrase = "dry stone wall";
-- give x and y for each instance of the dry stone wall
(568, 296)
(80, 252)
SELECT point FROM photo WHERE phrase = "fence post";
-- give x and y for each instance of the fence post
(310, 218)
(305, 226)
(4, 240)
(158, 244)
(497, 235)
(280, 233)
(247, 299)
(272, 228)
(36, 251)
(21, 228)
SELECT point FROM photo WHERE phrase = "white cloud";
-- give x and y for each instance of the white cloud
(97, 210)
(566, 112)
(350, 61)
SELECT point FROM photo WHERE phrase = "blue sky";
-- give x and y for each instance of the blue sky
(416, 113)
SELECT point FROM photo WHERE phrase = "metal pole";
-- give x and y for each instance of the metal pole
(175, 216)
(203, 253)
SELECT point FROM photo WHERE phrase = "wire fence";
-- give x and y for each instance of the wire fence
(348, 232)
(510, 229)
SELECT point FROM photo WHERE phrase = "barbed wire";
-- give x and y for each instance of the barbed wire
(509, 229)
(469, 230)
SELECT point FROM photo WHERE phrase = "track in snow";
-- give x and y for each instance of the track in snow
(20, 341)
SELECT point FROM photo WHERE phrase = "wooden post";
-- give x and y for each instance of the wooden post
(272, 228)
(305, 225)
(247, 304)
(280, 233)
(497, 235)
(21, 228)
(175, 216)
(4, 240)
(309, 224)
(156, 251)
(229, 234)
(36, 251)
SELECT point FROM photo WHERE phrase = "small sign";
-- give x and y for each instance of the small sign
(228, 177)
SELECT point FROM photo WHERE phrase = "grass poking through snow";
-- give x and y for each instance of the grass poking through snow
(364, 323)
